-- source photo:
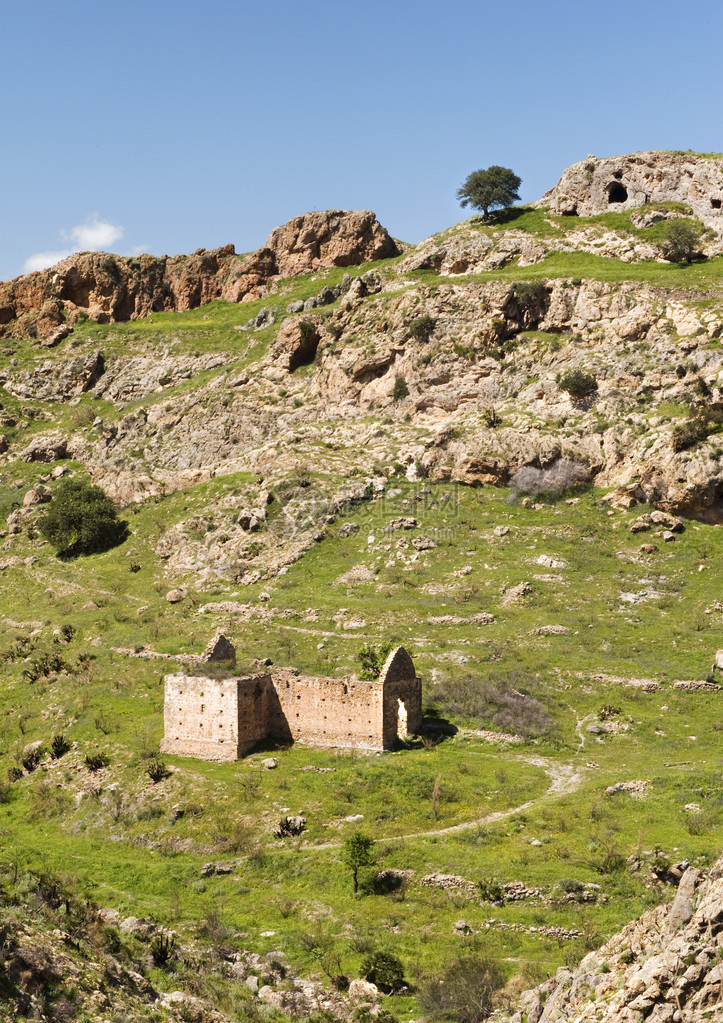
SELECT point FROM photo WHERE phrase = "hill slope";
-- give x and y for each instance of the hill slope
(478, 447)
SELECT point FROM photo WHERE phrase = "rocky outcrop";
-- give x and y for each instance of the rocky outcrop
(329, 238)
(595, 186)
(664, 967)
(110, 288)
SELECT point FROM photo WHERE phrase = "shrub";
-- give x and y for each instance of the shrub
(162, 947)
(697, 428)
(357, 851)
(385, 970)
(577, 383)
(463, 991)
(421, 328)
(81, 519)
(504, 706)
(400, 388)
(67, 631)
(680, 241)
(157, 770)
(59, 746)
(96, 761)
(491, 418)
(530, 293)
(44, 665)
(32, 757)
(372, 661)
(490, 890)
(556, 479)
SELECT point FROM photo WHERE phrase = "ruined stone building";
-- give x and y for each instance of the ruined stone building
(224, 718)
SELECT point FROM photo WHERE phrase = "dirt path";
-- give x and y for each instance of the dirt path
(564, 779)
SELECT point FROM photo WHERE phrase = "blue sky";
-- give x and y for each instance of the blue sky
(165, 126)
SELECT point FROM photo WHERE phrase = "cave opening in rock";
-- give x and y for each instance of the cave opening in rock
(571, 211)
(617, 192)
(715, 203)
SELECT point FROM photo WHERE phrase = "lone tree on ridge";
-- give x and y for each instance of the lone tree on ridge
(494, 188)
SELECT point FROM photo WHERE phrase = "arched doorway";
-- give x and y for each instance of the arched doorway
(402, 729)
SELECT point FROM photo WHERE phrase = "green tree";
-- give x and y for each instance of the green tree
(81, 519)
(494, 188)
(680, 241)
(357, 851)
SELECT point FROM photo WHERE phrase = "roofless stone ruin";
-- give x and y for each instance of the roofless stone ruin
(224, 718)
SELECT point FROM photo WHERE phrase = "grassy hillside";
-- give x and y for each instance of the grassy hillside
(549, 644)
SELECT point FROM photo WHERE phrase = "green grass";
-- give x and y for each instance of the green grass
(117, 830)
(115, 704)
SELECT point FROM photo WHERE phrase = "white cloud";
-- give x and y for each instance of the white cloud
(94, 235)
(42, 260)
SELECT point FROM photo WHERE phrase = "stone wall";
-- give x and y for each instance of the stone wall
(402, 697)
(327, 711)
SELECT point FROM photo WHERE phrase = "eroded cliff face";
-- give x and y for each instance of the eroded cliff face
(666, 966)
(416, 365)
(110, 288)
(595, 186)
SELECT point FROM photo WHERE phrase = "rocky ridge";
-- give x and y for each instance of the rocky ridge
(666, 966)
(635, 180)
(110, 288)
(414, 368)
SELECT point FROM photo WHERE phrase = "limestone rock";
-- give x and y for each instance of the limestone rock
(329, 238)
(681, 911)
(40, 494)
(175, 596)
(111, 288)
(663, 966)
(45, 448)
(363, 991)
(596, 186)
(297, 342)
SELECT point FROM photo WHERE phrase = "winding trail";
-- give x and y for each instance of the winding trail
(564, 779)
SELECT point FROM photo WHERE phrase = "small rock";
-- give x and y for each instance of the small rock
(501, 530)
(363, 991)
(175, 596)
(270, 763)
(640, 526)
(38, 495)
